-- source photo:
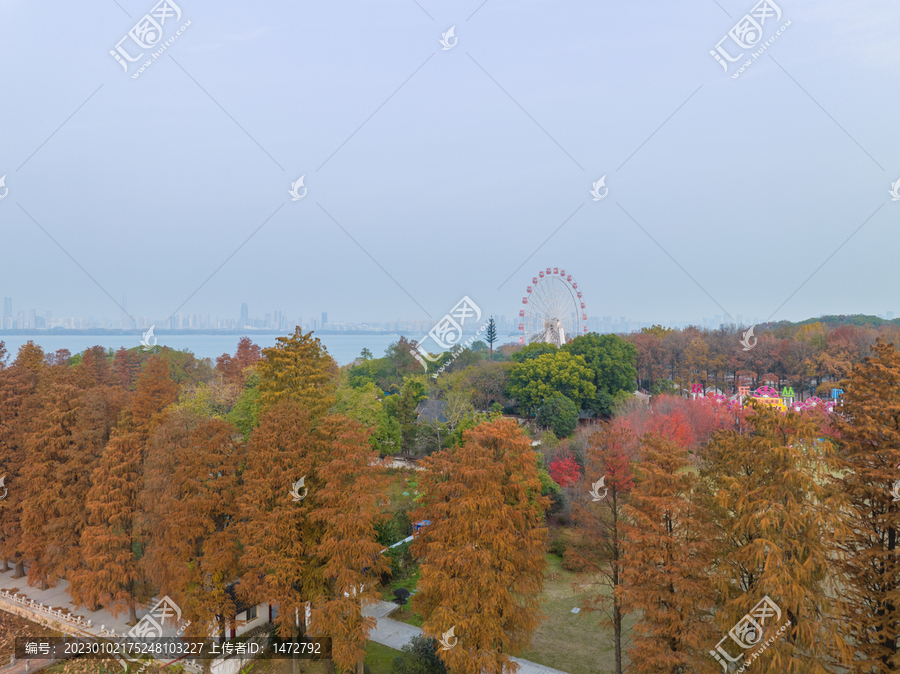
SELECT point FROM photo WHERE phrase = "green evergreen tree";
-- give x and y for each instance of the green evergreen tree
(491, 335)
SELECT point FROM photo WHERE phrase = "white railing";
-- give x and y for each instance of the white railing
(59, 613)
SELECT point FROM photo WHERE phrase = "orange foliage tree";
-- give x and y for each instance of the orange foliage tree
(869, 437)
(348, 488)
(113, 542)
(483, 551)
(190, 503)
(17, 405)
(668, 552)
(779, 522)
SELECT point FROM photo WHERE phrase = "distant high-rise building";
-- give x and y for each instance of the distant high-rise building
(890, 315)
(245, 315)
(324, 318)
(31, 321)
(7, 307)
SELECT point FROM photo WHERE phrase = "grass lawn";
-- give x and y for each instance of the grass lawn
(380, 658)
(572, 642)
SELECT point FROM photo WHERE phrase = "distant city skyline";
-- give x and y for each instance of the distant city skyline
(280, 320)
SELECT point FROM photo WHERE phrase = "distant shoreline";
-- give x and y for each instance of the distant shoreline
(100, 332)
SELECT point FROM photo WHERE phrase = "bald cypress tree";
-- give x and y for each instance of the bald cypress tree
(298, 367)
(190, 502)
(127, 367)
(17, 405)
(113, 542)
(48, 447)
(97, 416)
(95, 368)
(63, 445)
(347, 553)
(779, 521)
(275, 529)
(868, 428)
(30, 356)
(483, 552)
(668, 554)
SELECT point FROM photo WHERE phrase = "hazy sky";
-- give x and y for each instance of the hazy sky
(449, 167)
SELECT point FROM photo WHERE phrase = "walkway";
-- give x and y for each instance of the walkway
(102, 622)
(388, 632)
(395, 634)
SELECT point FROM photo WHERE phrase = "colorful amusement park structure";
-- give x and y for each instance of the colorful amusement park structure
(768, 395)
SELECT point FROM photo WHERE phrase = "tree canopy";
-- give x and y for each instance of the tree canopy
(534, 380)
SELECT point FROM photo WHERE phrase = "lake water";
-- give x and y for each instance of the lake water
(343, 348)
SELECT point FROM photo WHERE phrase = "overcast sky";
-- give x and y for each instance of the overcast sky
(435, 173)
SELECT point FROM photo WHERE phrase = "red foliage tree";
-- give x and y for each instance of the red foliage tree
(682, 421)
(565, 471)
(232, 367)
(598, 511)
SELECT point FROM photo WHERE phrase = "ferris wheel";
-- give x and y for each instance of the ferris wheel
(553, 309)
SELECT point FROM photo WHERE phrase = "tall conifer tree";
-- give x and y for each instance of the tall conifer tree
(17, 405)
(112, 542)
(779, 522)
(668, 553)
(483, 551)
(275, 529)
(191, 501)
(49, 443)
(347, 554)
(298, 367)
(868, 428)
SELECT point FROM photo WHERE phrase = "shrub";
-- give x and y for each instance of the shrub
(558, 547)
(419, 657)
(403, 524)
(395, 529)
(548, 441)
(558, 500)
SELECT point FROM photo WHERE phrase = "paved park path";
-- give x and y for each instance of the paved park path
(102, 622)
(388, 632)
(395, 634)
